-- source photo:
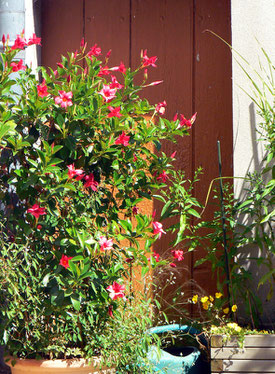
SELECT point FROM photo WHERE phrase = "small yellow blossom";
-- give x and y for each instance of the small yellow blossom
(234, 308)
(205, 305)
(211, 298)
(195, 299)
(226, 310)
(234, 326)
(218, 295)
(204, 299)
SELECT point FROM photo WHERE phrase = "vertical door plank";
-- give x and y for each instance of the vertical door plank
(107, 23)
(164, 28)
(62, 29)
(213, 102)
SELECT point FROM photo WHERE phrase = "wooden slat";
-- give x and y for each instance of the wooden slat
(164, 28)
(250, 341)
(213, 102)
(243, 354)
(250, 366)
(62, 29)
(107, 23)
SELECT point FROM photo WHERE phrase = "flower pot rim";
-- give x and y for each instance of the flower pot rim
(93, 363)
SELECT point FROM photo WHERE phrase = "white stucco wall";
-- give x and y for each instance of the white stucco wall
(253, 27)
(251, 21)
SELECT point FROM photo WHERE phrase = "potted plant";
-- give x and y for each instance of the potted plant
(76, 164)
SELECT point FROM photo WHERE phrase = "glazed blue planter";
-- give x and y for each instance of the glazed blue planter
(175, 360)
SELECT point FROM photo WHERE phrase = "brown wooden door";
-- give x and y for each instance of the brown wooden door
(195, 67)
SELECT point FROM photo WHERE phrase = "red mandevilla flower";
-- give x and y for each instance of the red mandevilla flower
(158, 230)
(19, 43)
(149, 61)
(163, 176)
(36, 211)
(64, 261)
(120, 68)
(186, 122)
(123, 139)
(156, 256)
(18, 66)
(34, 40)
(114, 112)
(160, 108)
(72, 172)
(103, 71)
(94, 51)
(105, 244)
(107, 93)
(42, 89)
(177, 254)
(90, 182)
(116, 290)
(115, 83)
(64, 99)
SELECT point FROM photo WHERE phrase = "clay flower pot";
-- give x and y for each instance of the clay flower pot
(70, 366)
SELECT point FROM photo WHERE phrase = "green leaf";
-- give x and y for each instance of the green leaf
(76, 303)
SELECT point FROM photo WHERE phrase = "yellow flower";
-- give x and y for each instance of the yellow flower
(234, 326)
(195, 299)
(218, 295)
(211, 298)
(204, 299)
(234, 308)
(205, 305)
(226, 310)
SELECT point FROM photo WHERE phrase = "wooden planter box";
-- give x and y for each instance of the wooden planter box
(257, 356)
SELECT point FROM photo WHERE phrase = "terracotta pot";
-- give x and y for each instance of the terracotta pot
(73, 366)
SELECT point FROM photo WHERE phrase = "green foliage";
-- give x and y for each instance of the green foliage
(76, 162)
(249, 219)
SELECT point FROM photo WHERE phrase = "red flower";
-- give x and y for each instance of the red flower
(115, 83)
(90, 182)
(173, 265)
(114, 112)
(177, 254)
(103, 71)
(19, 43)
(105, 244)
(94, 51)
(173, 154)
(64, 261)
(156, 256)
(116, 290)
(123, 139)
(148, 61)
(42, 89)
(61, 66)
(160, 108)
(18, 66)
(163, 176)
(72, 172)
(36, 211)
(64, 99)
(34, 40)
(39, 227)
(187, 122)
(120, 68)
(107, 92)
(110, 311)
(158, 230)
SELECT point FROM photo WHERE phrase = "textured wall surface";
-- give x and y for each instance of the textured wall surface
(253, 28)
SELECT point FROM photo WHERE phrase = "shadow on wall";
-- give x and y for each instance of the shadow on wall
(252, 256)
